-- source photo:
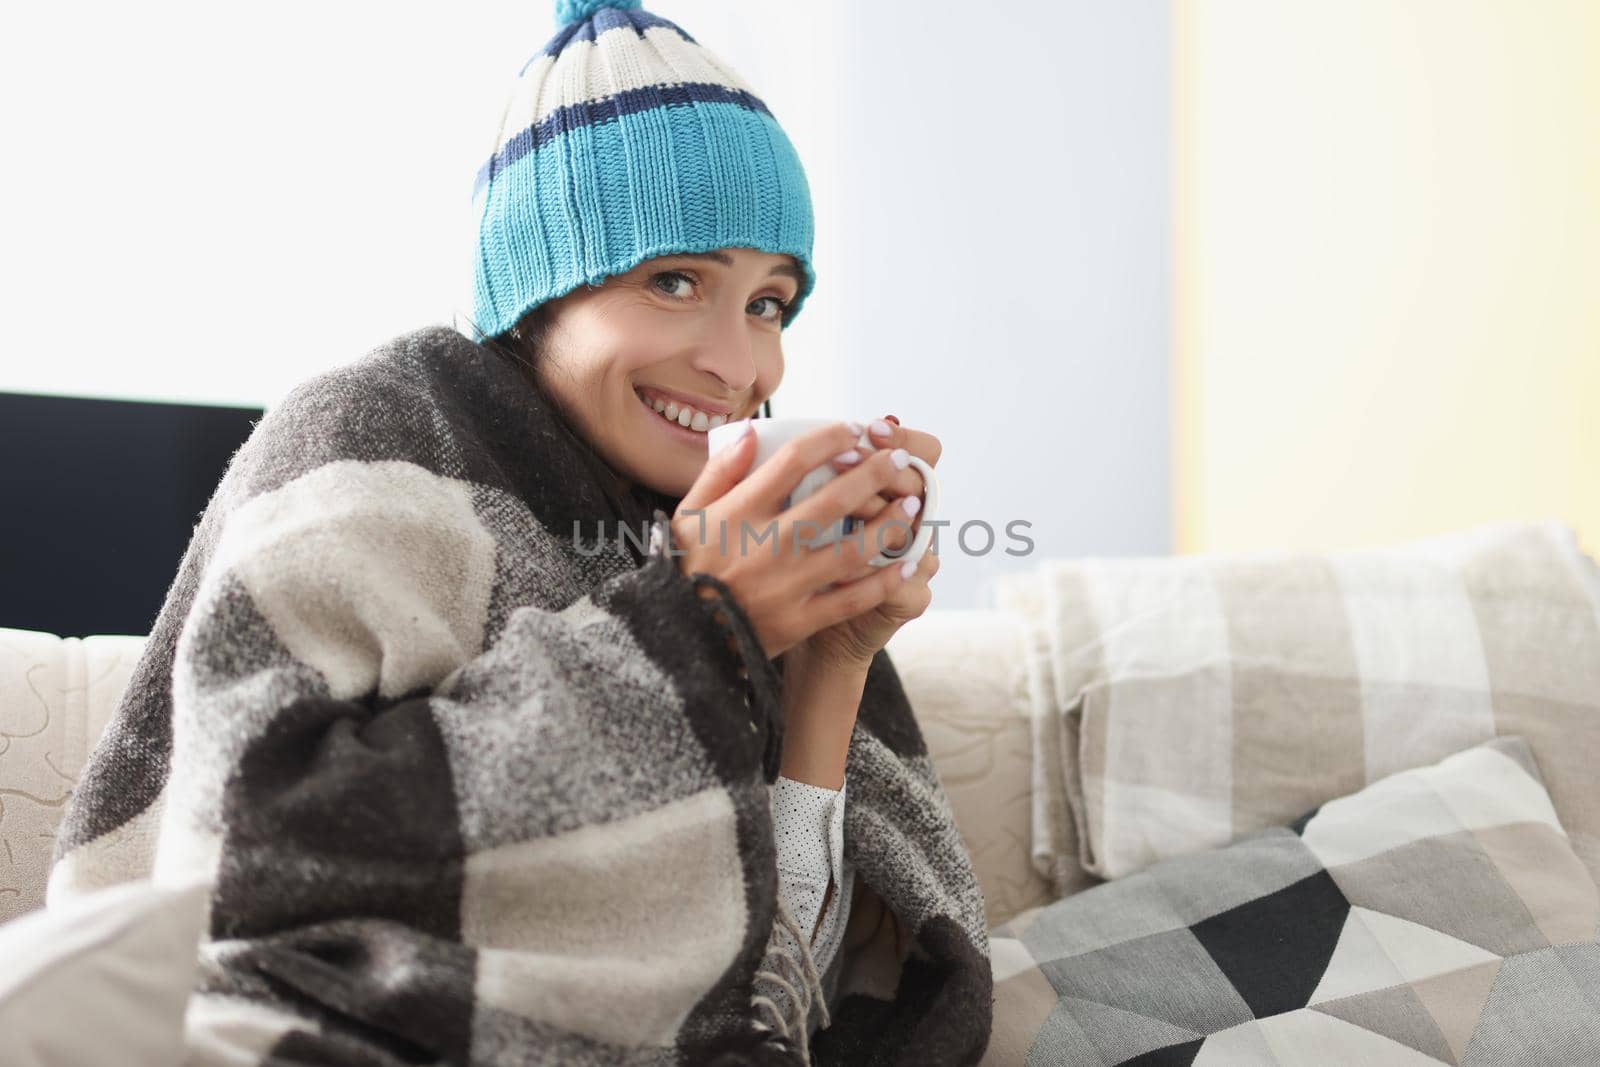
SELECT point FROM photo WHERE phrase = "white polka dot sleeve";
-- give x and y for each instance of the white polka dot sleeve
(808, 822)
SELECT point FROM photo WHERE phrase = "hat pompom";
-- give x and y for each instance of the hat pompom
(570, 11)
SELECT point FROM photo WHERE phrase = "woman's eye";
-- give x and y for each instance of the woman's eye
(667, 279)
(778, 307)
(674, 276)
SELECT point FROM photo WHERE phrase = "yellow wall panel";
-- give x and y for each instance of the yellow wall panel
(1387, 277)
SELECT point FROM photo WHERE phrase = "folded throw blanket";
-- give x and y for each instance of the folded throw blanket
(1180, 702)
(473, 790)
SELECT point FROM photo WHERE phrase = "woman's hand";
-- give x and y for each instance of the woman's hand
(850, 644)
(825, 675)
(788, 588)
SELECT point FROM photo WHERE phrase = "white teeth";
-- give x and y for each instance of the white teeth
(684, 415)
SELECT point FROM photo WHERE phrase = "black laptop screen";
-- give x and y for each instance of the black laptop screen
(98, 500)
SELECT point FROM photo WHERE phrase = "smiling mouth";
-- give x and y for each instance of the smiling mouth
(684, 417)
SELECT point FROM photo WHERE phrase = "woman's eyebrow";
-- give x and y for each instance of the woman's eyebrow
(785, 269)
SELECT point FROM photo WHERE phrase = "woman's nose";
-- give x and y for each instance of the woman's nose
(730, 354)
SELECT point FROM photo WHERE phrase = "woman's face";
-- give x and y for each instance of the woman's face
(695, 329)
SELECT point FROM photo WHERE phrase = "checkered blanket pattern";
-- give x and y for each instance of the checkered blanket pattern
(1179, 702)
(470, 790)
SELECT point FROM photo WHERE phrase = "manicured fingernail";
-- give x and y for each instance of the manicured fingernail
(891, 418)
(911, 505)
(855, 428)
(880, 428)
(851, 456)
(902, 458)
(908, 568)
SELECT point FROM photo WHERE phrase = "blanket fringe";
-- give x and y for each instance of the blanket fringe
(800, 1031)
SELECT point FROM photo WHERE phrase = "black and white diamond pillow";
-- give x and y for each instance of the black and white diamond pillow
(1437, 916)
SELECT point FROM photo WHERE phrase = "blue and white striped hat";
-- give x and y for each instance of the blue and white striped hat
(622, 140)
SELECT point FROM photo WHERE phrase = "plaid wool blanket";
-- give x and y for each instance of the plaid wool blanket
(1180, 702)
(479, 777)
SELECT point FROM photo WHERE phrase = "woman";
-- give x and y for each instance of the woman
(472, 784)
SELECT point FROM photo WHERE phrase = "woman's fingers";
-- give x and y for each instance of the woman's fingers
(891, 531)
(852, 598)
(904, 483)
(846, 600)
(918, 443)
(870, 507)
(855, 489)
(767, 486)
(848, 559)
(924, 446)
(722, 472)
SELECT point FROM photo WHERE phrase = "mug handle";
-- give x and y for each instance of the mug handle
(930, 509)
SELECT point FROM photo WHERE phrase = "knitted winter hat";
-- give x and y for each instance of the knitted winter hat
(624, 139)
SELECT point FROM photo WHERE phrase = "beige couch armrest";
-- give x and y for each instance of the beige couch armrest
(964, 675)
(56, 696)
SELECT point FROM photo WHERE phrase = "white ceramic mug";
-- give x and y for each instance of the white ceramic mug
(772, 434)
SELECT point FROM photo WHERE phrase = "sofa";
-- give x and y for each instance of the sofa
(1274, 808)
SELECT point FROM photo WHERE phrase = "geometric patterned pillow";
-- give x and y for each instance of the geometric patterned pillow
(1437, 916)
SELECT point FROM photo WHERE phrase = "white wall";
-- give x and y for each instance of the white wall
(215, 201)
(212, 202)
(1006, 276)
